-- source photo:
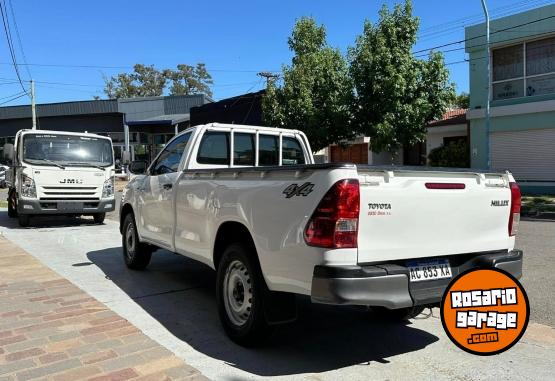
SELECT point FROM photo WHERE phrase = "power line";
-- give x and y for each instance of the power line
(13, 99)
(13, 95)
(10, 42)
(482, 35)
(19, 40)
(453, 26)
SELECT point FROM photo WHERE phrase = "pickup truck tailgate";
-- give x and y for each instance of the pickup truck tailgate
(417, 214)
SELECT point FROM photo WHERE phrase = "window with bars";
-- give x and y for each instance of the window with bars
(526, 69)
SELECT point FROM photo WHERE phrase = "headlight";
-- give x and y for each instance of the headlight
(108, 189)
(28, 188)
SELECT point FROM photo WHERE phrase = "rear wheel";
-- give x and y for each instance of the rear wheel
(99, 218)
(24, 220)
(400, 314)
(12, 204)
(240, 291)
(135, 253)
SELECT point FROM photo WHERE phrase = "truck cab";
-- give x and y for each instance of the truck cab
(60, 173)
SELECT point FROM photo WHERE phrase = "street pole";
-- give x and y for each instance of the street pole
(488, 78)
(269, 76)
(33, 105)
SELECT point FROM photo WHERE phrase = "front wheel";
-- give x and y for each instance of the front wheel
(135, 253)
(240, 289)
(99, 218)
(12, 204)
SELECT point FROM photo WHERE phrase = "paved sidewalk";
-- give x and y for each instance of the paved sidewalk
(52, 330)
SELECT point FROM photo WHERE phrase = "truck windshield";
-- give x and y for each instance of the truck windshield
(67, 150)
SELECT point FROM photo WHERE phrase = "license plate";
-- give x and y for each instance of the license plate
(429, 270)
(70, 206)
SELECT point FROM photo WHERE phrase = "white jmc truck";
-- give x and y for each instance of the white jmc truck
(55, 172)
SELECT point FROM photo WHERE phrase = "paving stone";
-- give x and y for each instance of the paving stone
(51, 330)
(120, 375)
(16, 366)
(48, 369)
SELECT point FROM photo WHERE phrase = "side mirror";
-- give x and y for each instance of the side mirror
(126, 157)
(137, 167)
(9, 152)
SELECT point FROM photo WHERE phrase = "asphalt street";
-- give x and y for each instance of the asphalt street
(173, 302)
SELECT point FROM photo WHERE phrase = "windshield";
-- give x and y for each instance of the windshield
(48, 149)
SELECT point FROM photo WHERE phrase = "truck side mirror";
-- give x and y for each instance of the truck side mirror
(126, 157)
(9, 152)
(138, 167)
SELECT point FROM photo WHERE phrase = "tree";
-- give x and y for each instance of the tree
(462, 101)
(396, 94)
(455, 154)
(190, 80)
(146, 81)
(316, 89)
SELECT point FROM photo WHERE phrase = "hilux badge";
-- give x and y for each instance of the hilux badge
(499, 202)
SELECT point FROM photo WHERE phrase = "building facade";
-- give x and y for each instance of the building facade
(521, 134)
(141, 126)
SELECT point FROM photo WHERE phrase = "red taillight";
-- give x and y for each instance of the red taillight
(334, 223)
(445, 185)
(514, 218)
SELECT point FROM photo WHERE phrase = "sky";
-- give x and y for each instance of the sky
(235, 39)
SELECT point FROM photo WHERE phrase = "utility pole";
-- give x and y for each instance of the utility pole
(33, 106)
(488, 79)
(269, 76)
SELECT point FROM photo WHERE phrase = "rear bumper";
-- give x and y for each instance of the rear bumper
(388, 285)
(35, 206)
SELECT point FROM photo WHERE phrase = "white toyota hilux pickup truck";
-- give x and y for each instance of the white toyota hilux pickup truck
(250, 203)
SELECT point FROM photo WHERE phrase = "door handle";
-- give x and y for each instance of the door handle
(167, 186)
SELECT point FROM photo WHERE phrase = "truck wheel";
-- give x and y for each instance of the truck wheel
(12, 208)
(240, 289)
(135, 253)
(400, 314)
(24, 220)
(99, 218)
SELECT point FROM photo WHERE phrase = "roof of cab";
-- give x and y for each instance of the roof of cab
(245, 126)
(27, 131)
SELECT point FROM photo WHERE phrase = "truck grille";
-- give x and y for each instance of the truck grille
(63, 192)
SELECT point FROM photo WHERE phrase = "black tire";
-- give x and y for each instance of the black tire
(12, 204)
(400, 314)
(241, 308)
(99, 218)
(135, 253)
(24, 220)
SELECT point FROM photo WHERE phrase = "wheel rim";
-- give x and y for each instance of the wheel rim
(237, 293)
(130, 240)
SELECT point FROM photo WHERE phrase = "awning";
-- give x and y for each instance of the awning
(166, 119)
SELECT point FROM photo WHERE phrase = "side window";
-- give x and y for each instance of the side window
(292, 153)
(169, 159)
(243, 149)
(268, 150)
(214, 148)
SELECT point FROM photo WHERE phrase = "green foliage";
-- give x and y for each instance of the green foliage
(462, 101)
(455, 154)
(316, 90)
(148, 81)
(396, 93)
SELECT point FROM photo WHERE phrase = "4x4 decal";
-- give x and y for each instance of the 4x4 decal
(298, 190)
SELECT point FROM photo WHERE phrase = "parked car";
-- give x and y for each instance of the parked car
(57, 172)
(3, 169)
(250, 203)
